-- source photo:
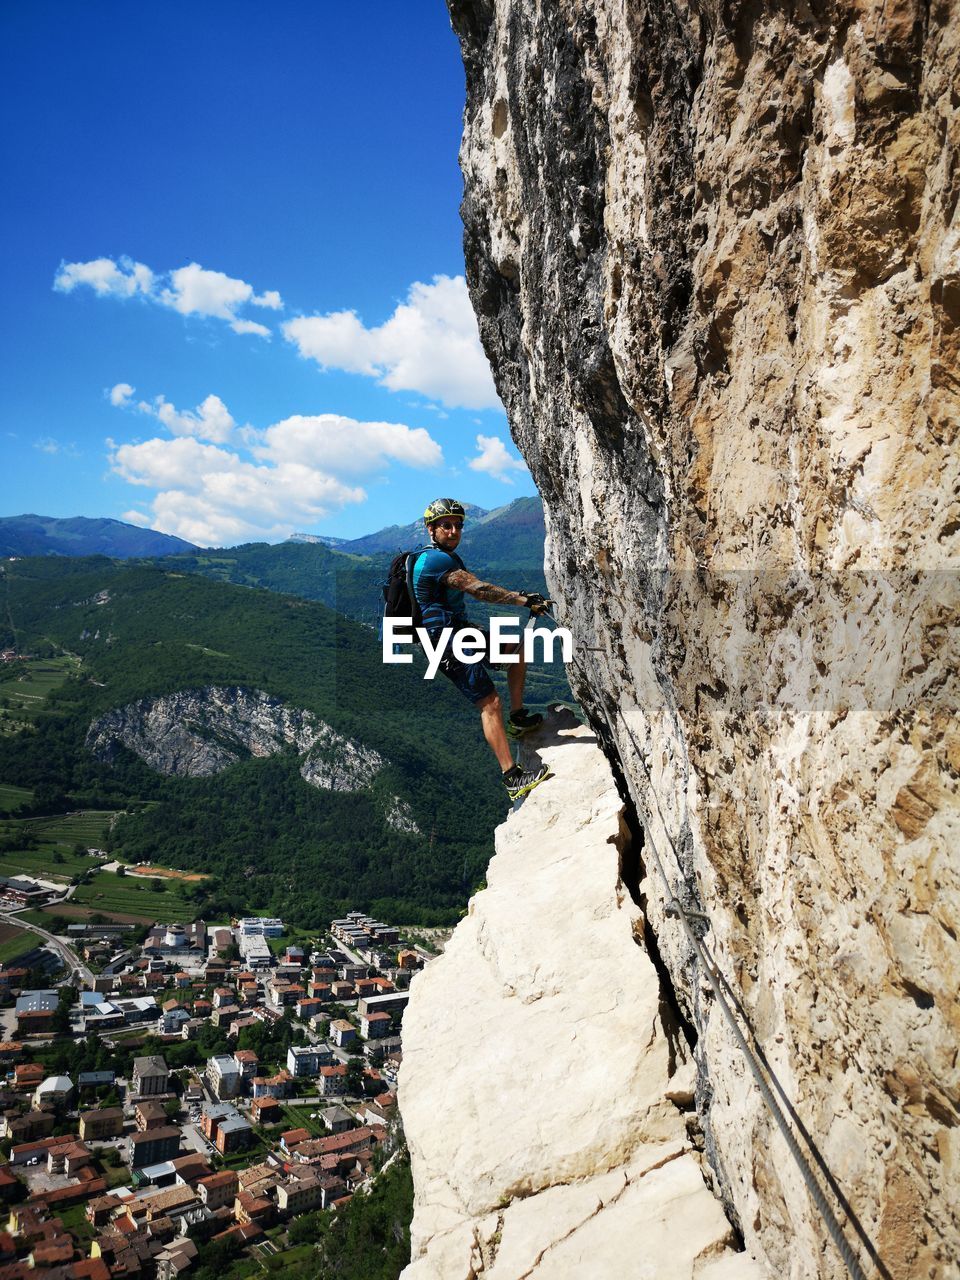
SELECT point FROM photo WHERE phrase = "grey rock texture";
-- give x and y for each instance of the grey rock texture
(714, 251)
(335, 763)
(196, 733)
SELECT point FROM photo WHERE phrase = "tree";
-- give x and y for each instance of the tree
(355, 1075)
(157, 885)
(121, 870)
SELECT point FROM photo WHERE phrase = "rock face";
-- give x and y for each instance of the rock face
(513, 1036)
(196, 733)
(714, 250)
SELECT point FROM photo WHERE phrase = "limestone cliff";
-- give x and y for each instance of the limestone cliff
(196, 733)
(545, 1089)
(714, 249)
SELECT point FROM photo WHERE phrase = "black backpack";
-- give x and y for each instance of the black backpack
(399, 600)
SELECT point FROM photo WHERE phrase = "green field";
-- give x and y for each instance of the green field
(110, 894)
(15, 942)
(299, 1118)
(87, 827)
(13, 797)
(53, 856)
(24, 687)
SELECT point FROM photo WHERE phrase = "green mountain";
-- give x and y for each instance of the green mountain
(32, 535)
(167, 658)
(510, 537)
(505, 545)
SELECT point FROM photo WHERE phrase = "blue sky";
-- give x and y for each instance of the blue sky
(234, 303)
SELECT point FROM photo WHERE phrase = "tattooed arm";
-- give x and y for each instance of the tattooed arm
(464, 580)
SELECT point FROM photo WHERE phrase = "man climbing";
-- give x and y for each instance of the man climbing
(440, 579)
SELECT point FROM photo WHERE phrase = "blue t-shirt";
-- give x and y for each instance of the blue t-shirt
(441, 606)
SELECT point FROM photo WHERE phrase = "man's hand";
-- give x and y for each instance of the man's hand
(536, 603)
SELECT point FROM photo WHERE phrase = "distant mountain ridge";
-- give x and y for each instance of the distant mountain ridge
(33, 535)
(511, 535)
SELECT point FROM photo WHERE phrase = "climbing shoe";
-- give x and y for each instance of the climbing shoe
(523, 721)
(519, 781)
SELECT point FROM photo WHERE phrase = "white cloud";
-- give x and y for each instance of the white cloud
(211, 420)
(120, 394)
(122, 279)
(250, 326)
(191, 290)
(493, 459)
(266, 483)
(136, 517)
(347, 447)
(196, 291)
(430, 344)
(47, 444)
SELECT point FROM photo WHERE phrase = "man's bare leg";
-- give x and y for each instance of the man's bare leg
(491, 718)
(516, 679)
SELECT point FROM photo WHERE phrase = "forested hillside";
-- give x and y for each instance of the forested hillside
(272, 841)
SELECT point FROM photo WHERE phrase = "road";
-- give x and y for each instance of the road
(67, 954)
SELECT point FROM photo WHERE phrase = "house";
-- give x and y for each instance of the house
(306, 1060)
(409, 960)
(181, 943)
(260, 926)
(27, 1075)
(35, 1124)
(266, 1111)
(293, 1137)
(213, 1115)
(300, 1192)
(150, 1076)
(100, 1209)
(96, 1079)
(247, 1063)
(150, 1115)
(233, 1134)
(374, 1026)
(342, 990)
(172, 1021)
(338, 1119)
(223, 1075)
(218, 1189)
(333, 1081)
(175, 1258)
(26, 1151)
(259, 1210)
(101, 1123)
(153, 1147)
(67, 1158)
(55, 1089)
(387, 1003)
(309, 1008)
(343, 1033)
(277, 1086)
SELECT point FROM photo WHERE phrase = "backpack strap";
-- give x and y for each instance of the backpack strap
(415, 613)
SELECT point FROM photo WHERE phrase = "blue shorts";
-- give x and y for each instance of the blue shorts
(472, 679)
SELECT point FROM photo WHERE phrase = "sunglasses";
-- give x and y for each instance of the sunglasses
(448, 524)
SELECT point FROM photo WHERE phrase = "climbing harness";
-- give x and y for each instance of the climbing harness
(757, 1060)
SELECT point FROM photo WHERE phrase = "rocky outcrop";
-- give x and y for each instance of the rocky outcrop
(714, 251)
(337, 764)
(196, 733)
(558, 1144)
